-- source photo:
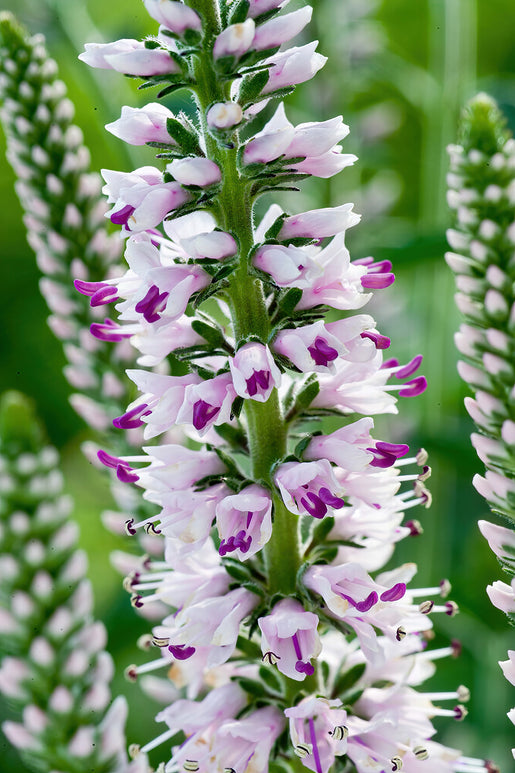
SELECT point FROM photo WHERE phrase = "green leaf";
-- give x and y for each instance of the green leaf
(249, 647)
(304, 397)
(252, 686)
(322, 529)
(187, 140)
(289, 300)
(211, 334)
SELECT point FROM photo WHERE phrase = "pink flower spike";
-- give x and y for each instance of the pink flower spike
(308, 488)
(254, 372)
(139, 125)
(290, 639)
(318, 725)
(319, 223)
(235, 40)
(244, 522)
(195, 171)
(173, 15)
(275, 32)
(207, 403)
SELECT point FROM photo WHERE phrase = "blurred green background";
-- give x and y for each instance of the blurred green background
(399, 72)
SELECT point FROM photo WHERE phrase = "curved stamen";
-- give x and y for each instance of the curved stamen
(321, 352)
(203, 413)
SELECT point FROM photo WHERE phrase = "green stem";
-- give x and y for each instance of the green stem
(266, 426)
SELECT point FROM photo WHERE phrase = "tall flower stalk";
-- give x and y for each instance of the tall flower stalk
(63, 212)
(271, 529)
(54, 669)
(482, 186)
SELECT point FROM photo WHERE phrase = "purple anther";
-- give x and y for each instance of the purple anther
(108, 331)
(395, 449)
(203, 413)
(129, 527)
(314, 505)
(260, 378)
(392, 363)
(126, 474)
(366, 604)
(108, 460)
(330, 499)
(395, 593)
(414, 387)
(304, 667)
(133, 418)
(122, 216)
(152, 304)
(410, 368)
(104, 294)
(415, 528)
(377, 281)
(379, 341)
(87, 288)
(321, 352)
(181, 651)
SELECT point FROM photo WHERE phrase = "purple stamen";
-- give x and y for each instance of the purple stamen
(203, 413)
(108, 460)
(122, 216)
(302, 666)
(321, 352)
(249, 518)
(328, 498)
(381, 459)
(365, 605)
(87, 288)
(181, 651)
(379, 341)
(414, 387)
(126, 474)
(381, 267)
(392, 363)
(396, 449)
(132, 419)
(259, 379)
(105, 294)
(395, 593)
(240, 542)
(377, 281)
(108, 331)
(314, 505)
(152, 304)
(316, 755)
(410, 368)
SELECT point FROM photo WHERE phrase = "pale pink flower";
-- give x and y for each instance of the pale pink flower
(173, 15)
(159, 404)
(289, 639)
(348, 447)
(244, 522)
(141, 198)
(309, 488)
(508, 667)
(254, 372)
(235, 40)
(259, 7)
(224, 115)
(201, 172)
(131, 57)
(293, 66)
(502, 595)
(175, 468)
(208, 403)
(318, 725)
(319, 223)
(500, 539)
(139, 125)
(275, 32)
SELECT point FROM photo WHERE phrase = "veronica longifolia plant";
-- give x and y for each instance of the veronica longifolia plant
(271, 531)
(482, 185)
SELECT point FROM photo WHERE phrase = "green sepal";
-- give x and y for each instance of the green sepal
(210, 290)
(169, 89)
(304, 397)
(276, 226)
(238, 12)
(185, 138)
(251, 87)
(322, 529)
(270, 678)
(248, 647)
(324, 554)
(289, 301)
(346, 681)
(236, 407)
(304, 443)
(236, 569)
(212, 335)
(234, 436)
(351, 698)
(251, 686)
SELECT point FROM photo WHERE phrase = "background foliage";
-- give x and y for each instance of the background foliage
(398, 71)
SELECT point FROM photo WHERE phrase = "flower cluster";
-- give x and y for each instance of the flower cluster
(482, 186)
(64, 213)
(54, 669)
(271, 531)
